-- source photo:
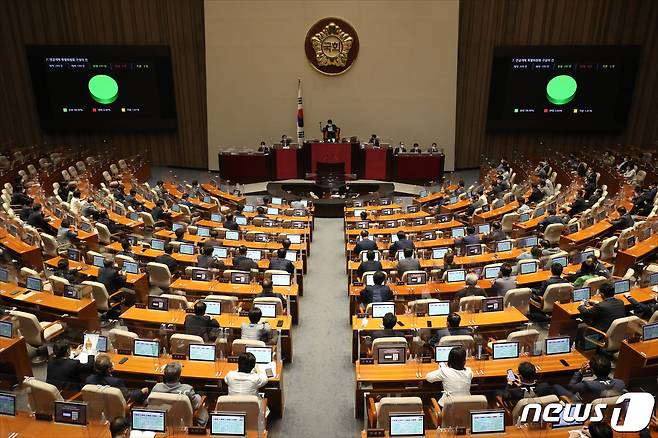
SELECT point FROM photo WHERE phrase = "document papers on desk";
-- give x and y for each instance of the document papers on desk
(262, 368)
(24, 296)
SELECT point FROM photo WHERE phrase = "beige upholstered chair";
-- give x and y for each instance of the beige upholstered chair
(456, 410)
(101, 297)
(389, 342)
(229, 303)
(394, 405)
(104, 235)
(552, 233)
(518, 298)
(470, 304)
(239, 345)
(421, 305)
(518, 408)
(50, 246)
(37, 333)
(610, 341)
(525, 338)
(465, 341)
(252, 405)
(554, 293)
(103, 399)
(42, 396)
(507, 223)
(271, 300)
(179, 342)
(122, 339)
(178, 406)
(159, 275)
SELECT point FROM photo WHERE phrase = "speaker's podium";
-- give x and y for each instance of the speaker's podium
(339, 154)
(286, 161)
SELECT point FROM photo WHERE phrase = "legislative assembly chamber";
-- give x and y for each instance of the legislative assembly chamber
(476, 179)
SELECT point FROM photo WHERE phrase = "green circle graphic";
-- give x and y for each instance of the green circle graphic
(561, 89)
(103, 89)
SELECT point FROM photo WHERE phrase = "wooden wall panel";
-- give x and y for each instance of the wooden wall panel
(484, 24)
(177, 23)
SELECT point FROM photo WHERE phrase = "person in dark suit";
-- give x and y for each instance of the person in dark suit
(63, 372)
(643, 310)
(602, 314)
(230, 223)
(388, 321)
(63, 270)
(26, 211)
(158, 212)
(453, 329)
(555, 278)
(470, 238)
(402, 243)
(102, 375)
(126, 249)
(110, 276)
(525, 385)
(536, 195)
(551, 219)
(167, 259)
(364, 244)
(268, 292)
(369, 265)
(331, 131)
(374, 140)
(408, 263)
(280, 262)
(579, 204)
(399, 149)
(625, 220)
(470, 290)
(260, 212)
(285, 141)
(497, 234)
(378, 292)
(601, 385)
(264, 148)
(207, 261)
(200, 324)
(20, 197)
(243, 263)
(213, 240)
(37, 219)
(415, 149)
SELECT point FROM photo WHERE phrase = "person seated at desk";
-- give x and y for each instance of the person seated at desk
(158, 212)
(104, 218)
(285, 141)
(20, 197)
(470, 238)
(542, 169)
(76, 203)
(536, 195)
(89, 210)
(63, 270)
(525, 385)
(167, 259)
(369, 265)
(64, 189)
(264, 148)
(408, 263)
(534, 253)
(364, 243)
(120, 428)
(374, 140)
(65, 234)
(200, 324)
(330, 131)
(119, 193)
(388, 321)
(503, 166)
(363, 215)
(64, 372)
(102, 375)
(230, 223)
(243, 263)
(455, 376)
(268, 292)
(478, 199)
(131, 199)
(160, 189)
(415, 149)
(126, 249)
(260, 212)
(453, 328)
(505, 281)
(629, 175)
(555, 278)
(111, 276)
(578, 205)
(496, 235)
(551, 219)
(256, 330)
(206, 261)
(180, 236)
(643, 310)
(402, 243)
(195, 190)
(594, 197)
(625, 220)
(247, 380)
(171, 385)
(598, 386)
(626, 163)
(37, 218)
(377, 293)
(213, 240)
(434, 149)
(185, 200)
(602, 314)
(286, 243)
(470, 290)
(281, 263)
(589, 268)
(26, 210)
(448, 263)
(399, 149)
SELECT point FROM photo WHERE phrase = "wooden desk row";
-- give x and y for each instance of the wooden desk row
(409, 378)
(147, 322)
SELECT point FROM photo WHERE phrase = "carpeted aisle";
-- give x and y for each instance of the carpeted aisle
(320, 381)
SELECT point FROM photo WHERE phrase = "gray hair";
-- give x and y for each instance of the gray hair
(172, 372)
(471, 279)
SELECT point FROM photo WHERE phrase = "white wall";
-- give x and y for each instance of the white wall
(402, 86)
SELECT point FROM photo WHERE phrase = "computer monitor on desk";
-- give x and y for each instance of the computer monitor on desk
(455, 275)
(558, 345)
(232, 235)
(268, 310)
(504, 245)
(263, 355)
(622, 286)
(416, 278)
(228, 424)
(146, 348)
(438, 308)
(458, 232)
(581, 294)
(219, 252)
(439, 253)
(202, 352)
(7, 404)
(491, 272)
(241, 220)
(4, 275)
(392, 355)
(441, 353)
(650, 331)
(505, 350)
(379, 310)
(149, 420)
(490, 421)
(213, 307)
(157, 245)
(406, 425)
(528, 267)
(484, 229)
(34, 283)
(71, 413)
(281, 279)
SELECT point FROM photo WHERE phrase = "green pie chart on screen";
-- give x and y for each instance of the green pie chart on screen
(103, 89)
(561, 89)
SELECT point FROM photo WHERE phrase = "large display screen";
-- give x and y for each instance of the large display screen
(103, 87)
(555, 88)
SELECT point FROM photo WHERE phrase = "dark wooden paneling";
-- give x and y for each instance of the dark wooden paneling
(177, 23)
(484, 24)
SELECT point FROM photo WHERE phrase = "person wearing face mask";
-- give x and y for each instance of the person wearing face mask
(330, 131)
(264, 148)
(400, 148)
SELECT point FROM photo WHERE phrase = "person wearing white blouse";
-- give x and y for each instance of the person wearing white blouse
(455, 376)
(244, 381)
